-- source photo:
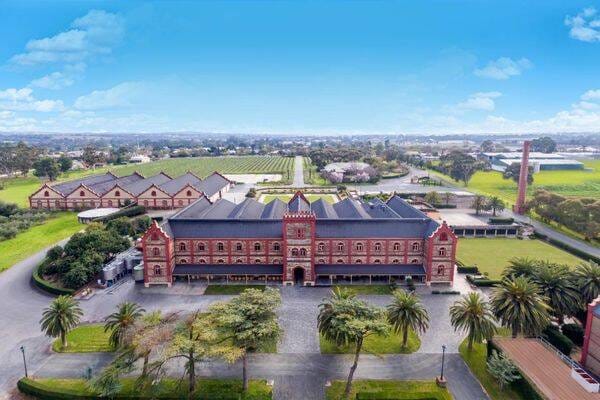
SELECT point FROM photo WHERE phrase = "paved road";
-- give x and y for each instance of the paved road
(298, 172)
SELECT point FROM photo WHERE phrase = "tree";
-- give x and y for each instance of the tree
(405, 313)
(556, 285)
(487, 146)
(473, 315)
(250, 320)
(344, 320)
(460, 165)
(23, 157)
(479, 203)
(251, 193)
(62, 315)
(91, 156)
(121, 320)
(496, 205)
(520, 266)
(121, 226)
(543, 144)
(64, 163)
(502, 368)
(513, 171)
(432, 197)
(46, 167)
(447, 197)
(587, 278)
(519, 306)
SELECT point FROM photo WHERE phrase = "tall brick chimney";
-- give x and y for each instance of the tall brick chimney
(520, 204)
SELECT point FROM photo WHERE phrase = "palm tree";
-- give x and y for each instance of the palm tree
(496, 204)
(587, 277)
(520, 266)
(405, 313)
(555, 283)
(519, 306)
(60, 317)
(473, 314)
(479, 203)
(121, 320)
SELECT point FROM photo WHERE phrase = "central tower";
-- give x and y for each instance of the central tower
(299, 242)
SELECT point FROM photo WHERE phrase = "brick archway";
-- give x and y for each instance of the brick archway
(299, 275)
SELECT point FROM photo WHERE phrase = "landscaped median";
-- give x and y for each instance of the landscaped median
(389, 390)
(213, 389)
(376, 344)
(86, 338)
(230, 289)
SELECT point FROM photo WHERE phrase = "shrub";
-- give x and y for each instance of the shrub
(47, 286)
(124, 212)
(467, 269)
(445, 292)
(121, 226)
(574, 332)
(501, 220)
(410, 284)
(558, 340)
(54, 253)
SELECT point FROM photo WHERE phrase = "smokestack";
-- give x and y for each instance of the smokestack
(520, 205)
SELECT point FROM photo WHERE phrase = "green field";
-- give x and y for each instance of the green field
(37, 238)
(388, 389)
(330, 198)
(85, 339)
(376, 344)
(230, 289)
(493, 255)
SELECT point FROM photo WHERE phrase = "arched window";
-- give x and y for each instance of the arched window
(117, 193)
(443, 237)
(340, 246)
(275, 261)
(202, 261)
(377, 246)
(220, 261)
(153, 193)
(183, 261)
(188, 193)
(415, 246)
(395, 261)
(321, 261)
(165, 203)
(257, 261)
(181, 246)
(377, 261)
(257, 246)
(39, 204)
(414, 261)
(46, 194)
(276, 247)
(294, 252)
(440, 270)
(358, 261)
(239, 261)
(238, 246)
(321, 247)
(340, 261)
(157, 270)
(220, 246)
(442, 252)
(201, 247)
(300, 233)
(302, 252)
(146, 203)
(156, 251)
(359, 246)
(81, 193)
(180, 202)
(396, 246)
(110, 203)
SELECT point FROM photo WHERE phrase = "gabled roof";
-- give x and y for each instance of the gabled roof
(298, 203)
(66, 188)
(212, 184)
(274, 209)
(124, 181)
(141, 186)
(174, 186)
(323, 209)
(46, 186)
(247, 209)
(83, 186)
(194, 210)
(350, 208)
(403, 209)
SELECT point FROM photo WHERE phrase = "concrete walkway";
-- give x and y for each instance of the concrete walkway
(298, 172)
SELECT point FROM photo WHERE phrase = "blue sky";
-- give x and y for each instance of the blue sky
(312, 67)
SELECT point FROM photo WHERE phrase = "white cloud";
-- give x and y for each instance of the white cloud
(585, 26)
(503, 68)
(121, 95)
(23, 100)
(60, 79)
(479, 101)
(97, 32)
(591, 95)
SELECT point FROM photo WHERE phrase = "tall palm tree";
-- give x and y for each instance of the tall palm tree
(405, 313)
(62, 315)
(473, 314)
(519, 306)
(479, 203)
(121, 320)
(587, 277)
(496, 204)
(520, 266)
(558, 287)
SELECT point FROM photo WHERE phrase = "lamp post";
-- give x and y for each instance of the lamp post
(440, 380)
(24, 361)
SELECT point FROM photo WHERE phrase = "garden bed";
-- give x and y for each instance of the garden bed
(373, 389)
(376, 344)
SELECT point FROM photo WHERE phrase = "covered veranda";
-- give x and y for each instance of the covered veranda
(330, 274)
(230, 273)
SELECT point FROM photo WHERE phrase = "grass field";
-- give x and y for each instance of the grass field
(493, 255)
(388, 389)
(230, 289)
(37, 238)
(367, 289)
(310, 197)
(167, 388)
(376, 344)
(85, 339)
(311, 176)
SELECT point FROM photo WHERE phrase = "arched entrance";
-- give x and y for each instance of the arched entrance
(298, 276)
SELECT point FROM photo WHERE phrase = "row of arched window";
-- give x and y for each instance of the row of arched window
(235, 261)
(340, 246)
(361, 261)
(200, 247)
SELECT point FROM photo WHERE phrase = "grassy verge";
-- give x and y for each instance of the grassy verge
(367, 289)
(388, 389)
(230, 289)
(311, 176)
(165, 389)
(310, 197)
(31, 241)
(376, 344)
(478, 251)
(85, 339)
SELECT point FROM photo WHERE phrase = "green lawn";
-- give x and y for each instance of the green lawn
(311, 176)
(367, 289)
(310, 197)
(376, 344)
(85, 339)
(493, 255)
(26, 243)
(390, 390)
(166, 388)
(230, 289)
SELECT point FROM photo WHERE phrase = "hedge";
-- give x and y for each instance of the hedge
(46, 286)
(444, 205)
(131, 211)
(567, 248)
(574, 332)
(501, 220)
(558, 340)
(467, 269)
(395, 396)
(482, 282)
(44, 392)
(445, 292)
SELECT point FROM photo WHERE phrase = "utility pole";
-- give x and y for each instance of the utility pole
(24, 361)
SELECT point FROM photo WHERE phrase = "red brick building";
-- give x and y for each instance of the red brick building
(159, 191)
(299, 242)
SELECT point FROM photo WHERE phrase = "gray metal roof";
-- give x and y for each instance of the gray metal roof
(174, 186)
(350, 208)
(248, 209)
(194, 210)
(212, 184)
(66, 188)
(139, 187)
(375, 228)
(370, 269)
(298, 203)
(274, 209)
(225, 228)
(403, 209)
(228, 269)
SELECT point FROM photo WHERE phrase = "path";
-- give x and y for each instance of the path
(298, 172)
